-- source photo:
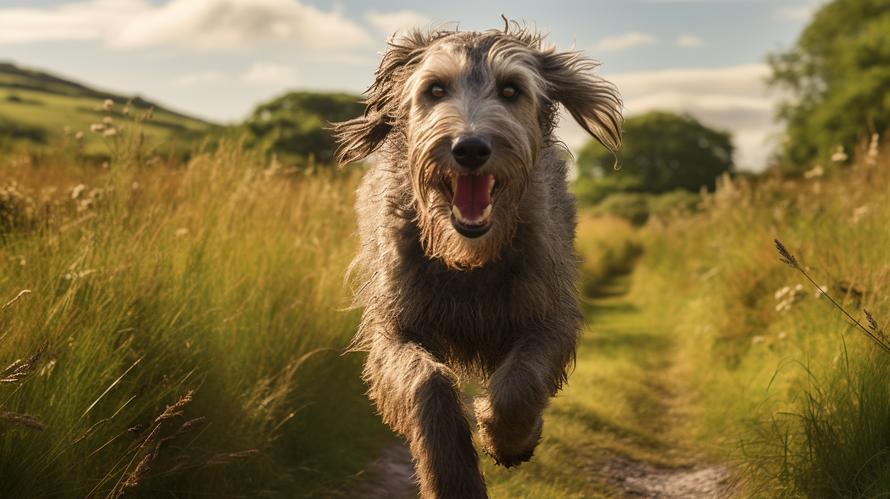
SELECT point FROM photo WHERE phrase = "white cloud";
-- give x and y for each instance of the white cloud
(798, 13)
(90, 20)
(732, 98)
(266, 73)
(745, 80)
(199, 78)
(707, 1)
(202, 24)
(689, 41)
(389, 23)
(624, 41)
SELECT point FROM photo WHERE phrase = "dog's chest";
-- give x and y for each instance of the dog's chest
(471, 314)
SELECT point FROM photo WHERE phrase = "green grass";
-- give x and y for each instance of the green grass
(608, 246)
(215, 286)
(782, 384)
(616, 404)
(39, 111)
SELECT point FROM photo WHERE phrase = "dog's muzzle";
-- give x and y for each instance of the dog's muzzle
(471, 202)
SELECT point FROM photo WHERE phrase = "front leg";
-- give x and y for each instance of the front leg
(418, 398)
(519, 390)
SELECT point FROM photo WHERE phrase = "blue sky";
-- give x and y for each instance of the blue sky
(218, 58)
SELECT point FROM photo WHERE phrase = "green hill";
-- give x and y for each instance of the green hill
(38, 108)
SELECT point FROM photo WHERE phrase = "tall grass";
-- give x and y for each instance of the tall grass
(177, 330)
(784, 384)
(608, 246)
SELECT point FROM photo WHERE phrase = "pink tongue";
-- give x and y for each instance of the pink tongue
(472, 195)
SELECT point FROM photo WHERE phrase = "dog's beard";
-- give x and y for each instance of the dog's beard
(440, 236)
(441, 240)
(451, 223)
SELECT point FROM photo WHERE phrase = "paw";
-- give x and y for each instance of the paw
(509, 443)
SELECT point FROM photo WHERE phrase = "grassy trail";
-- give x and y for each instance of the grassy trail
(615, 431)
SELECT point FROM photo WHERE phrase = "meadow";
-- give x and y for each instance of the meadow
(179, 327)
(43, 112)
(711, 367)
(782, 383)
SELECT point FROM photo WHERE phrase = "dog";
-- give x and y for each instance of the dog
(467, 266)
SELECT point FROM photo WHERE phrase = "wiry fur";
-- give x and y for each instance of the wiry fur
(439, 306)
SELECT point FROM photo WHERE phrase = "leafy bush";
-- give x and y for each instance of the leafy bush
(293, 127)
(673, 205)
(590, 190)
(631, 206)
(838, 73)
(661, 152)
(11, 130)
(637, 208)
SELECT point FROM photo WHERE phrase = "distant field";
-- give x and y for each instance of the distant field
(37, 109)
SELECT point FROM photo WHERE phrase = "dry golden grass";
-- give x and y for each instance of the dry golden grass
(180, 329)
(784, 384)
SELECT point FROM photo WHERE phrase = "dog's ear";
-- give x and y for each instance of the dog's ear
(361, 136)
(593, 102)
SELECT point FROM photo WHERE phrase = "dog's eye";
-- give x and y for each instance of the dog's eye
(509, 91)
(436, 91)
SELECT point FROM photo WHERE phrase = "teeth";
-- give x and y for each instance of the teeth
(456, 212)
(486, 214)
(453, 183)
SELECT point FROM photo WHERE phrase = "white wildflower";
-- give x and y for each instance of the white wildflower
(816, 171)
(781, 292)
(77, 191)
(839, 155)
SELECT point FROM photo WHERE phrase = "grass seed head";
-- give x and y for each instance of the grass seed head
(785, 256)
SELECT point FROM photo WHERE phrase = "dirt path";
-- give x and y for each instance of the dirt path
(612, 433)
(392, 475)
(663, 466)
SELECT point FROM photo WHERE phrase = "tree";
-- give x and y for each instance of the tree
(661, 152)
(293, 126)
(838, 74)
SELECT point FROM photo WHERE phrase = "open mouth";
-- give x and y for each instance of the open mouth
(471, 202)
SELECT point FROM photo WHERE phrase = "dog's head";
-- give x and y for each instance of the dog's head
(471, 112)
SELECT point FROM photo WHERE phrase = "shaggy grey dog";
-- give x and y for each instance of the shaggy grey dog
(467, 266)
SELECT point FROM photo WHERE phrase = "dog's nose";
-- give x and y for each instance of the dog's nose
(471, 152)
